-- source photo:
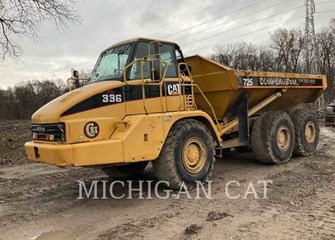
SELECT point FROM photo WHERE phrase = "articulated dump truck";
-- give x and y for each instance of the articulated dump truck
(144, 102)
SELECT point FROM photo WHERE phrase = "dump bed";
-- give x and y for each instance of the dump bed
(223, 86)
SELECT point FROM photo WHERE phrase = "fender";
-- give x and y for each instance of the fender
(143, 136)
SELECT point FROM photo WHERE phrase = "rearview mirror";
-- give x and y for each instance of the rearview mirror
(185, 69)
(75, 81)
(74, 73)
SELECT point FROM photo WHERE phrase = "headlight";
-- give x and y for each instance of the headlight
(49, 132)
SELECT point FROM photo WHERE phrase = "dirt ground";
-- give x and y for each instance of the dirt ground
(40, 201)
(13, 134)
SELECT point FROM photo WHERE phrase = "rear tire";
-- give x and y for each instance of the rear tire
(272, 138)
(187, 155)
(307, 132)
(125, 170)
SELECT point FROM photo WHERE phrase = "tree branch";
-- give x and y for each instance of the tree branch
(24, 17)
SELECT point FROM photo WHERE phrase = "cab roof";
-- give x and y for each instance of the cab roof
(140, 39)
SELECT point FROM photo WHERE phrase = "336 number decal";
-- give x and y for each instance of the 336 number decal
(111, 98)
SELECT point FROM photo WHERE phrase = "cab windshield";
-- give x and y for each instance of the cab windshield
(111, 64)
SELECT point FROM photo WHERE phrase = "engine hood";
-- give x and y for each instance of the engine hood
(52, 111)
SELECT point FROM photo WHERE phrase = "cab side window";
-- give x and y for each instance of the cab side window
(167, 54)
(142, 51)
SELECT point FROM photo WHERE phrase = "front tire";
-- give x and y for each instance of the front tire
(187, 155)
(272, 138)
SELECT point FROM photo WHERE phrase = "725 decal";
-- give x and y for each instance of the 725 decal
(248, 82)
(274, 81)
(111, 98)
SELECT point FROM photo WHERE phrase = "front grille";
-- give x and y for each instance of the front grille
(49, 132)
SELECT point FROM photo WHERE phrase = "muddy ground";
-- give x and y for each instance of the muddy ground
(40, 202)
(13, 134)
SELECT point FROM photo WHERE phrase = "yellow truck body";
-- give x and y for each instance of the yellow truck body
(127, 117)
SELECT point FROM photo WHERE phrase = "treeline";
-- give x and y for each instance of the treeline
(22, 100)
(286, 51)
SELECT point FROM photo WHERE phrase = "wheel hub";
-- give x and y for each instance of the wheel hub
(283, 138)
(194, 155)
(310, 132)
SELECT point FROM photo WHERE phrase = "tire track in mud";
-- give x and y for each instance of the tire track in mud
(43, 184)
(137, 229)
(327, 141)
(301, 202)
(313, 220)
(40, 194)
(318, 221)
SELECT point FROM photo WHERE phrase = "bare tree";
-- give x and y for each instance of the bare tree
(332, 25)
(224, 54)
(22, 100)
(266, 59)
(85, 73)
(244, 56)
(23, 18)
(289, 46)
(326, 46)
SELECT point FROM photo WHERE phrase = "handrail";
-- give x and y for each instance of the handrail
(179, 79)
(161, 82)
(143, 83)
(142, 77)
(212, 109)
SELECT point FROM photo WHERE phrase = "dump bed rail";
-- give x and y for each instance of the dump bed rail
(250, 79)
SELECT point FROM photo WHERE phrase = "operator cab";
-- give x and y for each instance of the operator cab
(149, 59)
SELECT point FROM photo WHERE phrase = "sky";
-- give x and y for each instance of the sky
(197, 26)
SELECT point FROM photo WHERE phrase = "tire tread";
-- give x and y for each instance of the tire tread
(164, 165)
